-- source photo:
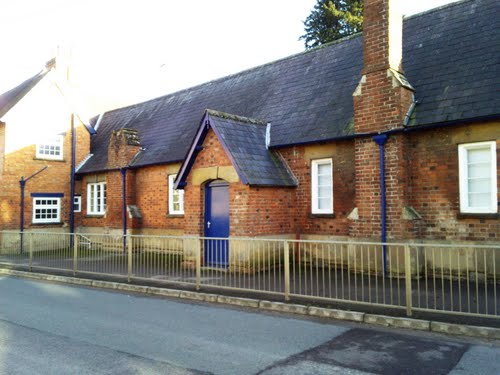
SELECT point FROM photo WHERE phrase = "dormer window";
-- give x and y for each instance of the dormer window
(51, 148)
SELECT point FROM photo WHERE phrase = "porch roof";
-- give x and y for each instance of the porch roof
(244, 140)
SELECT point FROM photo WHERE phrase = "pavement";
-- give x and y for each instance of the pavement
(48, 328)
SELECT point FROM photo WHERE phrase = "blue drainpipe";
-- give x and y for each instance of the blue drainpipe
(381, 139)
(72, 187)
(124, 207)
(22, 184)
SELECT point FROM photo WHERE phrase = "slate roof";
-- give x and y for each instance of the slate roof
(450, 57)
(10, 98)
(306, 97)
(244, 141)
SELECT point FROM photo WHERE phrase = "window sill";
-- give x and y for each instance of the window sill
(175, 215)
(49, 159)
(58, 223)
(95, 215)
(464, 215)
(330, 216)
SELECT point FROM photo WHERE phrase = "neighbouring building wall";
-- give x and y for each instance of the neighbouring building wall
(55, 179)
(435, 190)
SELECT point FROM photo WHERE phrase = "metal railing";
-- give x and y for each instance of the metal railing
(458, 279)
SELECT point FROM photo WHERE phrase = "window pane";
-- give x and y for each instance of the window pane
(479, 155)
(323, 203)
(324, 180)
(479, 170)
(324, 169)
(479, 199)
(324, 192)
(479, 185)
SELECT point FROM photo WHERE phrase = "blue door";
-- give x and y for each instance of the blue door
(216, 223)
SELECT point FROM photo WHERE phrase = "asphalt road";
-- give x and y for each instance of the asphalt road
(55, 329)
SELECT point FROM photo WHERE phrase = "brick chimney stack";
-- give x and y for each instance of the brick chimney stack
(383, 96)
(383, 35)
(381, 102)
(124, 144)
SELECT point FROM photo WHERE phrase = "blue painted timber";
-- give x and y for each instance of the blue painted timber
(216, 223)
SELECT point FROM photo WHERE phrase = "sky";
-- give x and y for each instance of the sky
(126, 51)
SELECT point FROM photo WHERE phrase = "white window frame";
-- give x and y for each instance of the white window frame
(39, 205)
(44, 147)
(77, 203)
(172, 193)
(315, 188)
(464, 177)
(96, 205)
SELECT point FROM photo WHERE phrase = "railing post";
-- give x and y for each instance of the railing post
(198, 263)
(129, 257)
(287, 271)
(76, 241)
(31, 253)
(408, 280)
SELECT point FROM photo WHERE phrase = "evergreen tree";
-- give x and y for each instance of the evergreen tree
(332, 19)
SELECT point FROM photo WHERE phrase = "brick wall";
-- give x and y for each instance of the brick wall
(113, 215)
(151, 184)
(299, 160)
(435, 187)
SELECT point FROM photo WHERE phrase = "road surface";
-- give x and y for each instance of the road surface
(48, 328)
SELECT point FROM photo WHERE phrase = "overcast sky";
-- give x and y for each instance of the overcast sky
(126, 51)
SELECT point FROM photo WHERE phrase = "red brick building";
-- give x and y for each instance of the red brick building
(390, 135)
